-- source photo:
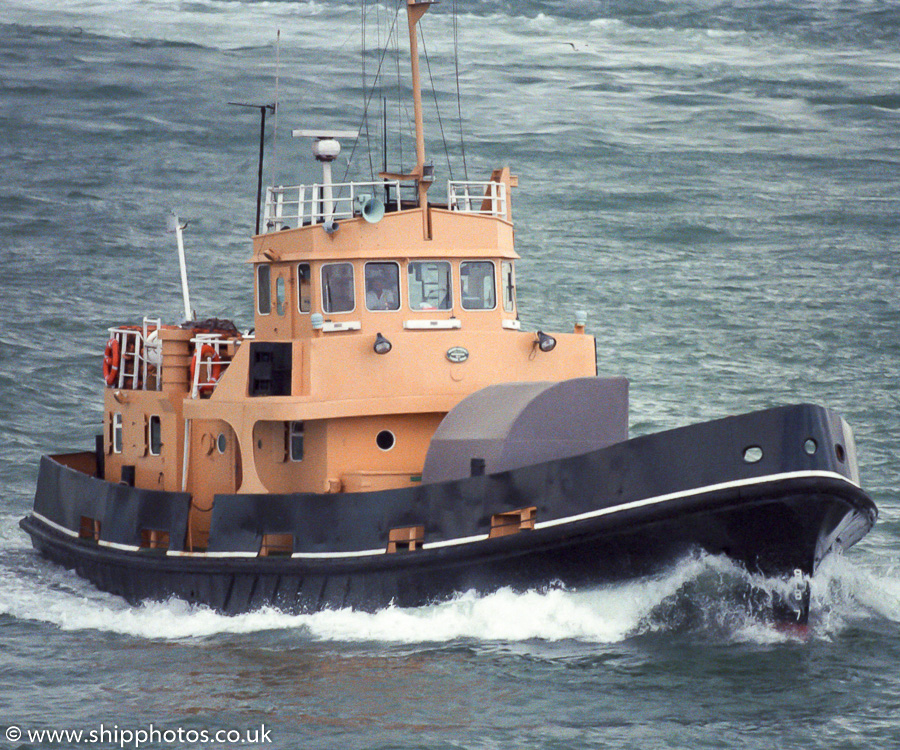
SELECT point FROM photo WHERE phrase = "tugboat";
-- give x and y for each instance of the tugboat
(390, 434)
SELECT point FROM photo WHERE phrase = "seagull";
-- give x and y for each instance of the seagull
(582, 47)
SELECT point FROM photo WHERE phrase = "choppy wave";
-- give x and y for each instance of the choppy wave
(707, 595)
(225, 23)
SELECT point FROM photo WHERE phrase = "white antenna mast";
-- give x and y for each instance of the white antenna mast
(174, 225)
(275, 110)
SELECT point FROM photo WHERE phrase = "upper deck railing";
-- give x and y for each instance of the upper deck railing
(302, 205)
(299, 205)
(477, 197)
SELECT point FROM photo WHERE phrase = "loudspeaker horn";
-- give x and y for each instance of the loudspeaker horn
(373, 210)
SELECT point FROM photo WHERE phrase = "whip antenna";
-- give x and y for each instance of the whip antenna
(263, 108)
(275, 110)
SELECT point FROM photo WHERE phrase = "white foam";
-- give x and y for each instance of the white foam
(603, 615)
(701, 592)
(843, 591)
(606, 614)
(218, 23)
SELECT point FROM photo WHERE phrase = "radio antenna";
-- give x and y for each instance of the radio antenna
(275, 110)
(263, 109)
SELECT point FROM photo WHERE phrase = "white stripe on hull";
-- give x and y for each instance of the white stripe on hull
(735, 484)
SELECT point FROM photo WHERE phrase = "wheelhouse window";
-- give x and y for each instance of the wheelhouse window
(429, 285)
(264, 288)
(507, 279)
(154, 435)
(117, 433)
(304, 286)
(337, 288)
(280, 295)
(382, 286)
(476, 278)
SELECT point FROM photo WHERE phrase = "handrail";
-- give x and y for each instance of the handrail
(216, 341)
(489, 198)
(130, 352)
(140, 350)
(305, 204)
(152, 349)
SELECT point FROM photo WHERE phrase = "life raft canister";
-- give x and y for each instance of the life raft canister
(112, 356)
(208, 354)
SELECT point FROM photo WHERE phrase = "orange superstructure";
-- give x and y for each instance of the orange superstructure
(376, 312)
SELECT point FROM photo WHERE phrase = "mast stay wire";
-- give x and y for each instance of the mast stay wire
(462, 144)
(436, 107)
(393, 34)
(371, 92)
(365, 88)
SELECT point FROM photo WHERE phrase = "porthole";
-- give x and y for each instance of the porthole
(385, 440)
(810, 446)
(221, 442)
(839, 452)
(753, 454)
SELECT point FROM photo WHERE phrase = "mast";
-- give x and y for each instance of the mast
(415, 9)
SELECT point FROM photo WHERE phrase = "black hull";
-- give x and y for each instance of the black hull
(595, 523)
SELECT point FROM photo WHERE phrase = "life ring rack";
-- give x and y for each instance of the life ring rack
(206, 354)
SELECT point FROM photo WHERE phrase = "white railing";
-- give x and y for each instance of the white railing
(477, 197)
(207, 362)
(297, 205)
(127, 358)
(139, 348)
(139, 358)
(151, 352)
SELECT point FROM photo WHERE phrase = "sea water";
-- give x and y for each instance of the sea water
(714, 183)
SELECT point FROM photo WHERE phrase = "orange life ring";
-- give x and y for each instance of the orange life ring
(214, 367)
(112, 356)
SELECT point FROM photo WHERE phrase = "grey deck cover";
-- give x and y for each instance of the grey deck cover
(516, 424)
